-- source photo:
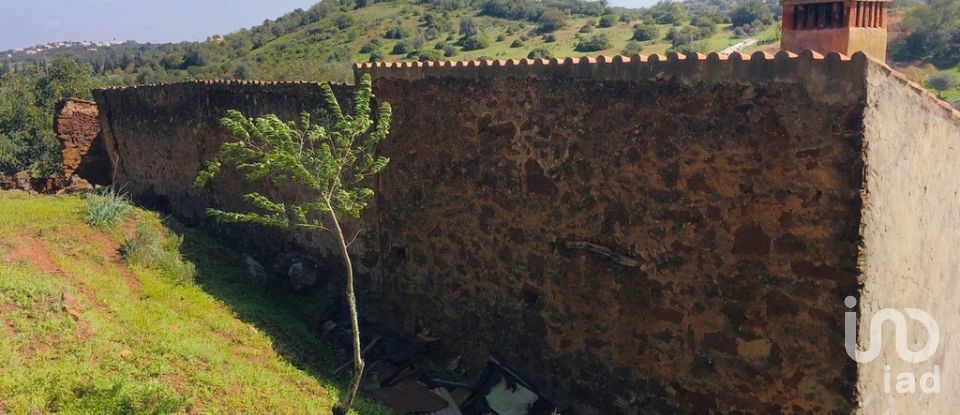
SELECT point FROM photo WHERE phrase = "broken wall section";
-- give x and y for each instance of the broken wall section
(77, 126)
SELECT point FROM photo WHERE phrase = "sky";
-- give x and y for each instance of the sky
(29, 22)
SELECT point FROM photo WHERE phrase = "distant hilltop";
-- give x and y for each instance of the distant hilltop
(89, 45)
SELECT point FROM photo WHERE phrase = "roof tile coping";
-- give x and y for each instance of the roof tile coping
(600, 67)
(623, 67)
(216, 82)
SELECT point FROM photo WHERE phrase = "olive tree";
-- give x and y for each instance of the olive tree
(331, 157)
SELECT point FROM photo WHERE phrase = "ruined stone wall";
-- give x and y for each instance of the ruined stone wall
(77, 126)
(637, 236)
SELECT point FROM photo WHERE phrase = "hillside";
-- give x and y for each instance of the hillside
(88, 330)
(322, 42)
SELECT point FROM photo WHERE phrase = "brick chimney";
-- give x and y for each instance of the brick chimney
(839, 26)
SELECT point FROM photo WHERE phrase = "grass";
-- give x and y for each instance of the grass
(159, 251)
(106, 207)
(84, 332)
(951, 95)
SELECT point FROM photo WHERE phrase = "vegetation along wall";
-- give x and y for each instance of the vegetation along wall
(637, 235)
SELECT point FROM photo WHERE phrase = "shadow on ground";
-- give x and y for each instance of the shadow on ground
(288, 318)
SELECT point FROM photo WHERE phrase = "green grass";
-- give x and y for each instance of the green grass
(105, 207)
(85, 333)
(950, 95)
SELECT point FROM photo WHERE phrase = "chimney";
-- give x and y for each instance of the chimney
(838, 26)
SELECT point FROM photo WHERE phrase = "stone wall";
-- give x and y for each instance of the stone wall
(77, 126)
(640, 235)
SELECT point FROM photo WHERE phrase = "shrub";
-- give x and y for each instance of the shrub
(371, 46)
(339, 54)
(344, 21)
(632, 48)
(552, 20)
(501, 37)
(376, 56)
(154, 249)
(474, 43)
(430, 55)
(468, 27)
(516, 44)
(707, 26)
(682, 36)
(549, 38)
(396, 32)
(401, 48)
(627, 17)
(106, 207)
(608, 20)
(540, 53)
(595, 43)
(645, 32)
(749, 29)
(449, 51)
(587, 28)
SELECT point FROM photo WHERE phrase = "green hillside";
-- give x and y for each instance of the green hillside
(114, 321)
(323, 42)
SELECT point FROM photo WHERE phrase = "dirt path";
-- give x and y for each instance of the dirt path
(34, 253)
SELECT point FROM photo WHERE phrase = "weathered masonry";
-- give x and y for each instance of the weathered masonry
(638, 235)
(77, 126)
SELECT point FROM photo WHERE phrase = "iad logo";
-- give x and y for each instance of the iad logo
(906, 382)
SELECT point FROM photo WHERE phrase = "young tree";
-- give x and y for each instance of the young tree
(331, 159)
(942, 81)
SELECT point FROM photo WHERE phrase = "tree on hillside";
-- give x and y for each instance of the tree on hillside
(552, 20)
(608, 20)
(934, 28)
(595, 43)
(512, 9)
(668, 12)
(468, 27)
(750, 12)
(331, 158)
(942, 81)
(645, 32)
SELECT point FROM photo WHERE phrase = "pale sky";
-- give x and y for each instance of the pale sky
(28, 22)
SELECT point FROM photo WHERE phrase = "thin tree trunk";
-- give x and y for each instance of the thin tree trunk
(343, 407)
